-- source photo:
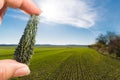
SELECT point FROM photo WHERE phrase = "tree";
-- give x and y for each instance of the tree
(110, 36)
(114, 46)
(109, 42)
(101, 39)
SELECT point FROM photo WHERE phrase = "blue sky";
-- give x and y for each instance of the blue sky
(66, 22)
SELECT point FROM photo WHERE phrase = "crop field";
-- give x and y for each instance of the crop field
(67, 63)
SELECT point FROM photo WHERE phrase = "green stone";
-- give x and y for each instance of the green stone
(24, 50)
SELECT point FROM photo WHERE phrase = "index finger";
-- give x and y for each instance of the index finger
(29, 7)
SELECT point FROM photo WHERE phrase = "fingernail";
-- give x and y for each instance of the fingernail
(22, 72)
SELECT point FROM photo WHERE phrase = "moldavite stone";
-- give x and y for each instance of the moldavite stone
(24, 50)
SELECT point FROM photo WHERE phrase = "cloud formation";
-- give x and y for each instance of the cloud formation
(79, 13)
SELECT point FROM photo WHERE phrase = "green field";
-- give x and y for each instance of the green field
(68, 63)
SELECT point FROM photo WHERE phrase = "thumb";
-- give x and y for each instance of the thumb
(11, 68)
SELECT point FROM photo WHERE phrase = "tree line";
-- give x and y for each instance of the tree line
(108, 43)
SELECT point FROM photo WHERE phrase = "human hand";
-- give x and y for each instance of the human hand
(26, 5)
(12, 68)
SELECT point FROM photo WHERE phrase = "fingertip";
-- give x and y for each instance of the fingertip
(29, 7)
(38, 11)
(23, 71)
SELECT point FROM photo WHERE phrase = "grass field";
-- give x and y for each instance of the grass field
(68, 63)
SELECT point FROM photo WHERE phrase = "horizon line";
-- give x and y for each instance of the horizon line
(48, 44)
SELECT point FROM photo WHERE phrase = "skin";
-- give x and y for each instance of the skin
(11, 68)
(25, 5)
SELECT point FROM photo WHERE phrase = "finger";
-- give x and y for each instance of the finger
(29, 7)
(2, 12)
(21, 71)
(11, 68)
(1, 3)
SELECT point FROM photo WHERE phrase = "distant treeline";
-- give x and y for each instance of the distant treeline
(48, 45)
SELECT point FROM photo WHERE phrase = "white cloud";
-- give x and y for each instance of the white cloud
(79, 13)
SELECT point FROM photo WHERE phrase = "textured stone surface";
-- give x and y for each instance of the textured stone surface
(24, 50)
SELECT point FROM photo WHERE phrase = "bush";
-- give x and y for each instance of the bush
(109, 42)
(114, 46)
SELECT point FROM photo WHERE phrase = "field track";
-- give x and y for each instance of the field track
(69, 63)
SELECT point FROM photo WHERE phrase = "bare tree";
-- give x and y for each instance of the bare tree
(101, 39)
(114, 45)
